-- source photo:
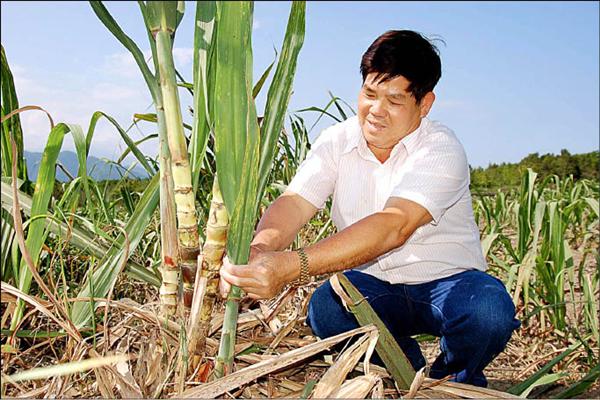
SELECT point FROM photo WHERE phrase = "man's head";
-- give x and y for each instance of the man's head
(400, 70)
(407, 54)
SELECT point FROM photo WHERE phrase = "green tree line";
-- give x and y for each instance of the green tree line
(581, 166)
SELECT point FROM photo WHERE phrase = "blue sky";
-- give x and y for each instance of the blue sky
(517, 77)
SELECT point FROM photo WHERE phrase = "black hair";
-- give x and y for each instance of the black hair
(404, 53)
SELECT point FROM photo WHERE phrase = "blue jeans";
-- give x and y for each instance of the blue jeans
(470, 311)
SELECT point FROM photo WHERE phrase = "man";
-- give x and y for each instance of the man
(406, 232)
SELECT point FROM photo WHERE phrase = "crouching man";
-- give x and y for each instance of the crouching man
(407, 238)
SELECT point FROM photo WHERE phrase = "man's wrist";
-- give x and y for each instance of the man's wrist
(303, 271)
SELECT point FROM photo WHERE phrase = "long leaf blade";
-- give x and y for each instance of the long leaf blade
(280, 90)
(105, 275)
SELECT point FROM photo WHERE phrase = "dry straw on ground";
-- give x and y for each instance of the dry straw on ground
(277, 357)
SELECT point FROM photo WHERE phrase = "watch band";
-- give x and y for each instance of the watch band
(304, 277)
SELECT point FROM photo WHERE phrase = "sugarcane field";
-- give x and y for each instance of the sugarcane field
(302, 199)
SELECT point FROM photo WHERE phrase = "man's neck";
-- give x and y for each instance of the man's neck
(381, 153)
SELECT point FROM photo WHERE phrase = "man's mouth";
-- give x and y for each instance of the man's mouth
(375, 125)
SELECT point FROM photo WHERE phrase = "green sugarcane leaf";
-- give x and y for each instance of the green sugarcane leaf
(520, 388)
(131, 145)
(105, 275)
(164, 15)
(137, 144)
(78, 237)
(203, 84)
(8, 233)
(151, 117)
(36, 233)
(280, 91)
(544, 380)
(593, 205)
(82, 148)
(110, 23)
(8, 103)
(388, 349)
(237, 147)
(579, 387)
(263, 78)
(236, 125)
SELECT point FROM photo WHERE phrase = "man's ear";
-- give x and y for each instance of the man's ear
(426, 103)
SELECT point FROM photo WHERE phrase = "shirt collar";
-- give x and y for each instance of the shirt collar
(355, 137)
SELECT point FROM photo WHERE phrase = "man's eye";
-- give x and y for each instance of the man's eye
(370, 95)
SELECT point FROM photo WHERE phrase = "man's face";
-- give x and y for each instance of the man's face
(387, 111)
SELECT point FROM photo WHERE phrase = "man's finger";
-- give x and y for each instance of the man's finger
(242, 270)
(224, 287)
(241, 281)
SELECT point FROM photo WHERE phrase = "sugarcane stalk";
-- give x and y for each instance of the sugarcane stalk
(168, 228)
(226, 353)
(187, 224)
(212, 259)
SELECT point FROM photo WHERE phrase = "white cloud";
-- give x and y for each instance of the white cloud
(24, 84)
(183, 56)
(114, 92)
(118, 97)
(123, 64)
(115, 87)
(256, 25)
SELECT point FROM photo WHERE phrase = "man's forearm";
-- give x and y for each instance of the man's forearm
(361, 242)
(280, 223)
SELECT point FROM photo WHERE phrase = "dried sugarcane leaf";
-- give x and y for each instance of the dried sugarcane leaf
(238, 378)
(248, 319)
(469, 391)
(378, 390)
(387, 347)
(417, 382)
(125, 382)
(335, 376)
(65, 368)
(283, 332)
(105, 385)
(356, 388)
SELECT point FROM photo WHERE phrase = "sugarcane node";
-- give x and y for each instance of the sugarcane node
(217, 234)
(169, 261)
(210, 290)
(219, 213)
(183, 190)
(189, 253)
(213, 253)
(188, 272)
(212, 264)
(192, 228)
(182, 163)
(188, 295)
(212, 279)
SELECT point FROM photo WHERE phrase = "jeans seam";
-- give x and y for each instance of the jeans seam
(433, 306)
(371, 300)
(443, 323)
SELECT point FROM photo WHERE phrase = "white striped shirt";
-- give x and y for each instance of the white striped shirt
(428, 166)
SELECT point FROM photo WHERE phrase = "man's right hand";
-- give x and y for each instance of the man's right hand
(264, 276)
(224, 286)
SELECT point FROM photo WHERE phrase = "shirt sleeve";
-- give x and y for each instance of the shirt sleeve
(315, 178)
(435, 177)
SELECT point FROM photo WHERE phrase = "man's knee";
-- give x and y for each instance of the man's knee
(494, 317)
(326, 314)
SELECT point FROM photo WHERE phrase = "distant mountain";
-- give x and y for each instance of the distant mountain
(96, 168)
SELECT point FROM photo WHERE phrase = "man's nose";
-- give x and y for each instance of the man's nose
(377, 108)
